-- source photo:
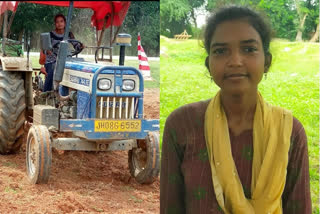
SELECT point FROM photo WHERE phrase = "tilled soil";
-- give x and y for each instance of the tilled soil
(80, 182)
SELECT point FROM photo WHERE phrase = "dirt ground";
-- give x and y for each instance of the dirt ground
(80, 182)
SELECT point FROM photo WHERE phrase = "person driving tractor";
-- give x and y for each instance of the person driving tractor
(48, 58)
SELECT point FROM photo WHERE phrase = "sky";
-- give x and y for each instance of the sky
(201, 15)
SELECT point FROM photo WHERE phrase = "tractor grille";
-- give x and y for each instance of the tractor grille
(116, 107)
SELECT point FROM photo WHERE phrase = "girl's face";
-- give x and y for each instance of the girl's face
(60, 23)
(236, 58)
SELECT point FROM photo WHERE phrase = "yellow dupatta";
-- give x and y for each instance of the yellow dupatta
(272, 127)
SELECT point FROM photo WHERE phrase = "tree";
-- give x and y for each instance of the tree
(315, 36)
(195, 4)
(176, 16)
(311, 27)
(32, 17)
(212, 5)
(292, 19)
(289, 19)
(303, 13)
(283, 17)
(143, 17)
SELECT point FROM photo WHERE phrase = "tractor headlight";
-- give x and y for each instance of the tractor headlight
(104, 84)
(128, 85)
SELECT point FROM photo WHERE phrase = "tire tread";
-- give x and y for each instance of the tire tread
(149, 173)
(12, 111)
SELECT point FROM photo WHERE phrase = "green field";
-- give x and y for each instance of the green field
(154, 68)
(292, 82)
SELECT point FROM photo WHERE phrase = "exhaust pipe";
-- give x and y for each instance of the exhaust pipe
(123, 40)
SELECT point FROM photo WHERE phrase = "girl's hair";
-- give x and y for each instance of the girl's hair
(233, 12)
(59, 15)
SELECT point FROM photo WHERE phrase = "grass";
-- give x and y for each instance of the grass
(10, 164)
(135, 199)
(11, 190)
(154, 68)
(292, 82)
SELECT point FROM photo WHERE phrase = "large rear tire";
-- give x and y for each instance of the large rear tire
(12, 111)
(144, 161)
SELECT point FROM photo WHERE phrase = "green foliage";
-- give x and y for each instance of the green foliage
(12, 49)
(284, 15)
(196, 33)
(174, 17)
(194, 5)
(174, 10)
(312, 19)
(174, 27)
(33, 17)
(143, 17)
(281, 13)
(81, 26)
(212, 5)
(176, 14)
(292, 82)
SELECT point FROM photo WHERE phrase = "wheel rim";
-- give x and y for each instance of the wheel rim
(32, 157)
(139, 159)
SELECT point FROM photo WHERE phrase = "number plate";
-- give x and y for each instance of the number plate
(117, 125)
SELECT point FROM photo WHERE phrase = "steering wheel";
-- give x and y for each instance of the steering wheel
(77, 43)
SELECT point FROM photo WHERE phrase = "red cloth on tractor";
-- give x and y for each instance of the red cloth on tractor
(100, 8)
(8, 5)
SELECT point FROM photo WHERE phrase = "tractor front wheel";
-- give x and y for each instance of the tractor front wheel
(144, 161)
(38, 154)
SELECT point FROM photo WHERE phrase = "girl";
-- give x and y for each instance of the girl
(235, 153)
(51, 56)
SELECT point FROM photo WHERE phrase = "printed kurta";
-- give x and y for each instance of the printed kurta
(186, 182)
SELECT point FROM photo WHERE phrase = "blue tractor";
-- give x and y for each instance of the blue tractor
(102, 106)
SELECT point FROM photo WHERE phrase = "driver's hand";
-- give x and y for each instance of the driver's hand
(43, 70)
(82, 46)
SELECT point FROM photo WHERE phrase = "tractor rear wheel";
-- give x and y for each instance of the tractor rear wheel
(12, 111)
(144, 161)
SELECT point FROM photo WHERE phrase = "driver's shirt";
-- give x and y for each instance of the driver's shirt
(55, 41)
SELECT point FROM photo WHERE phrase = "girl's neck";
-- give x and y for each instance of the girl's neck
(240, 110)
(59, 31)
